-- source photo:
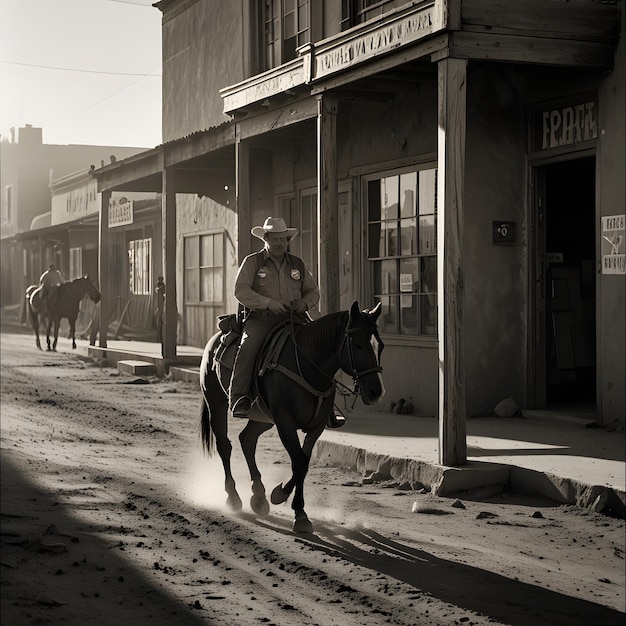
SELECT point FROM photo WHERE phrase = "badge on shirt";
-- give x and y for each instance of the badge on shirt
(295, 273)
(263, 272)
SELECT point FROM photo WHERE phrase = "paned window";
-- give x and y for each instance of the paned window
(139, 259)
(287, 25)
(204, 269)
(355, 12)
(402, 249)
(305, 220)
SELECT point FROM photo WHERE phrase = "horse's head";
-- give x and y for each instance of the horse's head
(90, 289)
(360, 353)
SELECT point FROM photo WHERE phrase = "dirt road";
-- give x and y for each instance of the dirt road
(111, 514)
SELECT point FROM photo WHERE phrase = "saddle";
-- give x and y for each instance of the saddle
(224, 358)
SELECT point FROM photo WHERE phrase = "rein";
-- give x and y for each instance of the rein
(346, 342)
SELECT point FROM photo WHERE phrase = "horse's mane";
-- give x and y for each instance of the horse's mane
(322, 333)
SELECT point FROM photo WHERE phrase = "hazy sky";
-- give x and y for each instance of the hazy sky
(85, 71)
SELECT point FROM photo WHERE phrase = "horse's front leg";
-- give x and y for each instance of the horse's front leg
(300, 467)
(281, 492)
(249, 438)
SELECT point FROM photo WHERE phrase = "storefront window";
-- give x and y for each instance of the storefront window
(402, 249)
(139, 259)
(204, 269)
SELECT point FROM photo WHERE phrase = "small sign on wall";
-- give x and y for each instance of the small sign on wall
(503, 233)
(612, 244)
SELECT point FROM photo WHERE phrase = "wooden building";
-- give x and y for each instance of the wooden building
(461, 161)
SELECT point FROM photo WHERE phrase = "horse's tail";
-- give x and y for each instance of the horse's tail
(206, 432)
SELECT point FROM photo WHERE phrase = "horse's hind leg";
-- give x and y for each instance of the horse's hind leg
(217, 413)
(34, 318)
(73, 333)
(249, 438)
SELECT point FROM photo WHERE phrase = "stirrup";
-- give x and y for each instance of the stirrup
(335, 421)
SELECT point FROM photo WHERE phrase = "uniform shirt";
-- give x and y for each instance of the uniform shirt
(255, 286)
(51, 278)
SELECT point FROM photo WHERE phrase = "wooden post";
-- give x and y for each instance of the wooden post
(169, 236)
(327, 203)
(242, 192)
(452, 75)
(104, 250)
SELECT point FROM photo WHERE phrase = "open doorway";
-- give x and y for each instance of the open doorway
(567, 221)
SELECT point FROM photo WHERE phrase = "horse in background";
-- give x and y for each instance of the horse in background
(295, 393)
(62, 302)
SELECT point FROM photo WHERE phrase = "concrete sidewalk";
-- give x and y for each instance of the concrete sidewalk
(565, 458)
(557, 454)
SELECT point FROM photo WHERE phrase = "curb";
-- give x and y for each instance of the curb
(476, 477)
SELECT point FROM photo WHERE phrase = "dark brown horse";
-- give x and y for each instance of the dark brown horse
(62, 301)
(295, 393)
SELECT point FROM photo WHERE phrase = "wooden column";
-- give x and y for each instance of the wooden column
(169, 236)
(327, 203)
(242, 192)
(452, 75)
(104, 249)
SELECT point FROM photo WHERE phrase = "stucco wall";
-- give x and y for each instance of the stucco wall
(612, 201)
(495, 275)
(197, 66)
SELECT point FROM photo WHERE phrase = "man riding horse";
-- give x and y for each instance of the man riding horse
(51, 278)
(273, 285)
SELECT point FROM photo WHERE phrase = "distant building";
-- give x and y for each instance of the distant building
(33, 232)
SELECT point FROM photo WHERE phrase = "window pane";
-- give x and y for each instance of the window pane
(376, 240)
(191, 285)
(206, 254)
(218, 250)
(408, 315)
(388, 320)
(408, 186)
(409, 275)
(428, 235)
(373, 201)
(428, 192)
(389, 197)
(218, 284)
(206, 285)
(428, 315)
(429, 274)
(191, 252)
(408, 237)
(386, 277)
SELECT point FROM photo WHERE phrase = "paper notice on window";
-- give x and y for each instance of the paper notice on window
(612, 244)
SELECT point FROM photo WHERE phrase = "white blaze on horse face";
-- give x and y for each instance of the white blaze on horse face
(376, 348)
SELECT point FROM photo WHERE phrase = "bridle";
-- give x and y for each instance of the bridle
(348, 343)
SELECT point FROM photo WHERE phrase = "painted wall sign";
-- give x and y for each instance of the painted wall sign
(120, 212)
(612, 245)
(567, 125)
(75, 203)
(392, 35)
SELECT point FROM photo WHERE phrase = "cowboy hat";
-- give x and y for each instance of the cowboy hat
(274, 225)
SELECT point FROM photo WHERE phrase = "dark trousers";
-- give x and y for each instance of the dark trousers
(255, 330)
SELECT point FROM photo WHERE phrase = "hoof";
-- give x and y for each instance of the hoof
(302, 524)
(259, 504)
(279, 495)
(234, 503)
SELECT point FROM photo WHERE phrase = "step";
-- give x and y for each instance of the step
(140, 368)
(188, 374)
